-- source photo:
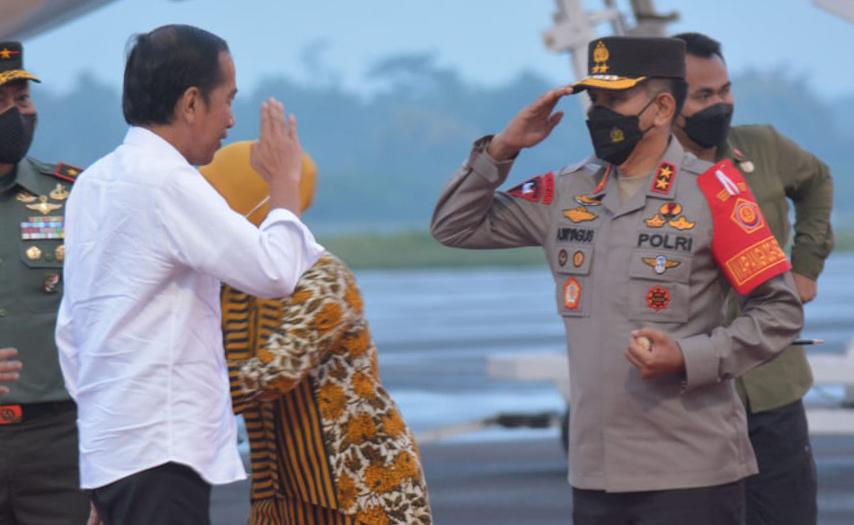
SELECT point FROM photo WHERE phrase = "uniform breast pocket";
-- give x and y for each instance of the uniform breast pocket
(41, 282)
(571, 280)
(659, 286)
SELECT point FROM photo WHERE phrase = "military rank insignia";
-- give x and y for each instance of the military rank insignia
(67, 172)
(663, 180)
(743, 245)
(536, 189)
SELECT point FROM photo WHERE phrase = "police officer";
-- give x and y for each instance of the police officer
(38, 435)
(776, 170)
(644, 241)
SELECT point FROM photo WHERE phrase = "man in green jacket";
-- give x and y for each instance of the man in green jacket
(39, 476)
(776, 169)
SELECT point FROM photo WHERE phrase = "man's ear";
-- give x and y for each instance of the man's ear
(665, 105)
(189, 105)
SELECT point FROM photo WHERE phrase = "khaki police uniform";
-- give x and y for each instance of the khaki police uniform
(39, 475)
(650, 262)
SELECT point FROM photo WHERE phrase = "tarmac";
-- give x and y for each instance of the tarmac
(516, 482)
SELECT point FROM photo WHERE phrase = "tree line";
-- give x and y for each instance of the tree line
(384, 158)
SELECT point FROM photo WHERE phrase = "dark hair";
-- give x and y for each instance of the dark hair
(677, 87)
(162, 65)
(700, 45)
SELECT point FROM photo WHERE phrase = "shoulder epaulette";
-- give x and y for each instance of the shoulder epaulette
(66, 172)
(742, 243)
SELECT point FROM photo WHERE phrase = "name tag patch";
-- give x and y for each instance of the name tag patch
(666, 241)
(582, 235)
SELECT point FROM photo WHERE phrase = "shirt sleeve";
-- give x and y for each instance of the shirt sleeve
(471, 214)
(809, 185)
(205, 234)
(67, 353)
(771, 318)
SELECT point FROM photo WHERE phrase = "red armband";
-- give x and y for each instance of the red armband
(742, 243)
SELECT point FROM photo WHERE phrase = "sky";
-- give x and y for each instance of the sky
(488, 41)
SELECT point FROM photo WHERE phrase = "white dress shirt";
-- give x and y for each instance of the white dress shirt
(147, 243)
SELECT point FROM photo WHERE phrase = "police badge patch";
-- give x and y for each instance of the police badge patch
(658, 298)
(535, 189)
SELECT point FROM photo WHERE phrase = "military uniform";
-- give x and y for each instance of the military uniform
(777, 170)
(39, 477)
(617, 268)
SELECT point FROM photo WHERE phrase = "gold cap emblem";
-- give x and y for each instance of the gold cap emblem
(600, 56)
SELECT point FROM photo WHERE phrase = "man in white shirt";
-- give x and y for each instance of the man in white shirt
(148, 243)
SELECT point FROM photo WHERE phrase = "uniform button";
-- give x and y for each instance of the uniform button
(2, 312)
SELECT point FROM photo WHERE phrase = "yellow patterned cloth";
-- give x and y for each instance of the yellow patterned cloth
(322, 428)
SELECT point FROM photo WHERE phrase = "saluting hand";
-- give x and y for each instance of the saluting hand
(277, 155)
(8, 369)
(658, 356)
(530, 126)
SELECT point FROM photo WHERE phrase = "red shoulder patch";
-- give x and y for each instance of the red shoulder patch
(743, 244)
(536, 189)
(67, 172)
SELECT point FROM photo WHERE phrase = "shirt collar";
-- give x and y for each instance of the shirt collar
(663, 185)
(145, 138)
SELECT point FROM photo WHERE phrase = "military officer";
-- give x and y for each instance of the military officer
(644, 241)
(776, 170)
(38, 435)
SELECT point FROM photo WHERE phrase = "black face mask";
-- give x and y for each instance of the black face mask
(708, 128)
(16, 135)
(615, 135)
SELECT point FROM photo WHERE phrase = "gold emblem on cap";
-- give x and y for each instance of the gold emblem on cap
(600, 56)
(44, 207)
(6, 53)
(59, 193)
(25, 196)
(617, 135)
(33, 253)
(60, 252)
